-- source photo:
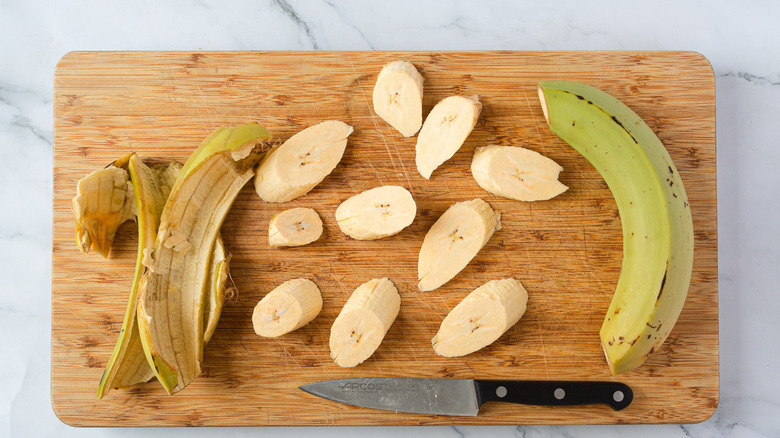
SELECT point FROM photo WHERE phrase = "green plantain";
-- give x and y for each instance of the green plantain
(654, 211)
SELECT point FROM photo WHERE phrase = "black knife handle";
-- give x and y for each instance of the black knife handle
(554, 393)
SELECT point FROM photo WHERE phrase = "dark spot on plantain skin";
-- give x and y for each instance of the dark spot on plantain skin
(661, 289)
(614, 119)
(617, 310)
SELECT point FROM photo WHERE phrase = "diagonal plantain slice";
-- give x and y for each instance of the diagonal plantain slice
(151, 186)
(172, 291)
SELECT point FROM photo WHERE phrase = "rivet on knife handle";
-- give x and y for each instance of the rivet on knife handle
(555, 393)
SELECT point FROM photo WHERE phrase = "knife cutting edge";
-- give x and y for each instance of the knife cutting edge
(465, 396)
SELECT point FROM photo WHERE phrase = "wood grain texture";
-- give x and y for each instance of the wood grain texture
(566, 251)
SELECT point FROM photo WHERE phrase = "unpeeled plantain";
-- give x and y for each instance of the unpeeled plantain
(654, 212)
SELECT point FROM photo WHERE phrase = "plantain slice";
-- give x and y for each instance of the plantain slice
(172, 291)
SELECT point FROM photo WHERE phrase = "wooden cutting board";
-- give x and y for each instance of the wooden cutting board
(567, 251)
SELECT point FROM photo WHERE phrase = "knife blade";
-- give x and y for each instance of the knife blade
(464, 397)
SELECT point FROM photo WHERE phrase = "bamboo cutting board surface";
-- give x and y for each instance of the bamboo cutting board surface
(566, 251)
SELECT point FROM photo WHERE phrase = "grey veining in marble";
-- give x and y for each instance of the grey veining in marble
(739, 38)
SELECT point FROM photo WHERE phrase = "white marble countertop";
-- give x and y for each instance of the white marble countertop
(739, 38)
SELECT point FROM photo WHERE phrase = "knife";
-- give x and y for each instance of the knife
(466, 396)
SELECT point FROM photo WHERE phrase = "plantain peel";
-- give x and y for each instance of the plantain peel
(103, 202)
(151, 186)
(172, 292)
(217, 290)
